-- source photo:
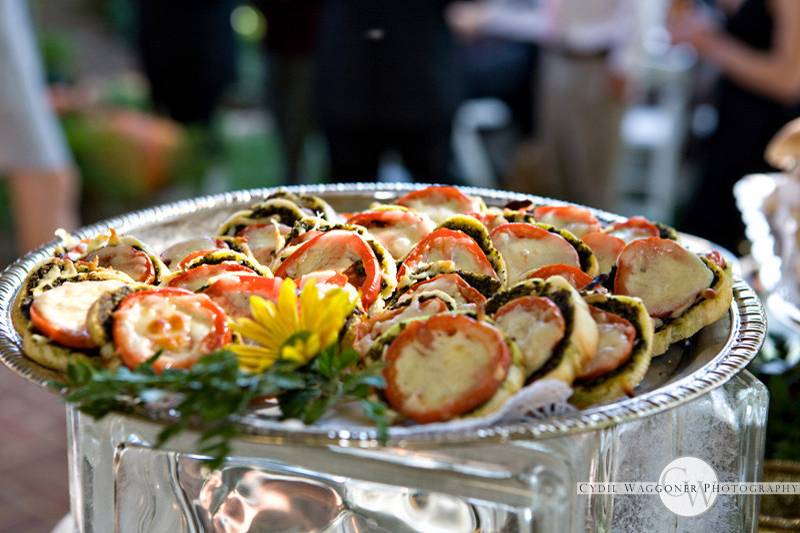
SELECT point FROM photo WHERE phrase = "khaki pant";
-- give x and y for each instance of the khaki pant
(579, 121)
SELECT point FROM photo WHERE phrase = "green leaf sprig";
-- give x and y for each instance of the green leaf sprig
(215, 393)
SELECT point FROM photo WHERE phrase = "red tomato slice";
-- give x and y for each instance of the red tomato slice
(574, 275)
(197, 253)
(451, 284)
(666, 276)
(341, 251)
(577, 220)
(449, 245)
(398, 231)
(264, 240)
(605, 247)
(526, 247)
(60, 313)
(615, 344)
(439, 202)
(536, 324)
(184, 325)
(198, 277)
(175, 255)
(233, 294)
(127, 259)
(634, 228)
(472, 356)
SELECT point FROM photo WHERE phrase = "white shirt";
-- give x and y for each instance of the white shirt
(30, 136)
(583, 26)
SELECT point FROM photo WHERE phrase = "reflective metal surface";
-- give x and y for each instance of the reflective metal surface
(687, 371)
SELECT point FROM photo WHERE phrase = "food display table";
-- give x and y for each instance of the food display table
(696, 400)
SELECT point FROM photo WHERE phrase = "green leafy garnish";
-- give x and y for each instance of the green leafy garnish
(215, 393)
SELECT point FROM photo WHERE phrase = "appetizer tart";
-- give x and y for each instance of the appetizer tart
(550, 323)
(473, 355)
(488, 298)
(624, 350)
(682, 291)
(123, 253)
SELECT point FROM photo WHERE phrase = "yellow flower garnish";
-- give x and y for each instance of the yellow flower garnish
(291, 330)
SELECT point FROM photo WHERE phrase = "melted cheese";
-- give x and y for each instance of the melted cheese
(535, 333)
(432, 375)
(65, 307)
(523, 256)
(613, 349)
(187, 310)
(667, 283)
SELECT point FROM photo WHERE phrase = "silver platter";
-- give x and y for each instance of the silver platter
(687, 371)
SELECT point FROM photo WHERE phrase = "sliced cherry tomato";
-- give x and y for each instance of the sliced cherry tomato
(526, 247)
(471, 356)
(127, 259)
(449, 246)
(175, 255)
(633, 228)
(665, 275)
(233, 293)
(615, 344)
(264, 240)
(60, 313)
(574, 275)
(183, 325)
(341, 251)
(398, 231)
(536, 324)
(451, 284)
(439, 203)
(197, 253)
(198, 277)
(605, 247)
(577, 220)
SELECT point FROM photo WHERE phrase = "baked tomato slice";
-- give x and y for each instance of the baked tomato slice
(633, 228)
(126, 259)
(201, 276)
(342, 252)
(574, 275)
(176, 255)
(536, 324)
(614, 344)
(233, 293)
(526, 247)
(60, 313)
(183, 325)
(445, 245)
(451, 284)
(666, 276)
(440, 202)
(577, 220)
(397, 230)
(606, 247)
(369, 329)
(445, 366)
(264, 240)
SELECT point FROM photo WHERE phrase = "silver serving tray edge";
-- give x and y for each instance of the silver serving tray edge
(687, 371)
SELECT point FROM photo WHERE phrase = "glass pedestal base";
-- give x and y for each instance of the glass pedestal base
(118, 482)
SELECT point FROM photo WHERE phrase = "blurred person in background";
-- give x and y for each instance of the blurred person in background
(584, 72)
(388, 79)
(290, 43)
(42, 179)
(188, 52)
(758, 53)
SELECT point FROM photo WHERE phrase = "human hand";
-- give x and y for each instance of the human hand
(467, 19)
(694, 27)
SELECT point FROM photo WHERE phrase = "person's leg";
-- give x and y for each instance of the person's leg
(590, 118)
(43, 201)
(548, 174)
